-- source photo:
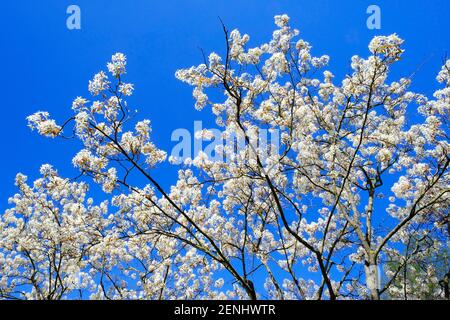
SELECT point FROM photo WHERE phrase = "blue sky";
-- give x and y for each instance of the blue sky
(45, 65)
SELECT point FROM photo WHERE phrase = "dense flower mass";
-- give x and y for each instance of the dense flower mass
(45, 126)
(353, 205)
(45, 238)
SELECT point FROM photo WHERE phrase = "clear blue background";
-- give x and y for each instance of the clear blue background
(44, 66)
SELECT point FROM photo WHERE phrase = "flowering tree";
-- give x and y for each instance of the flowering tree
(351, 201)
